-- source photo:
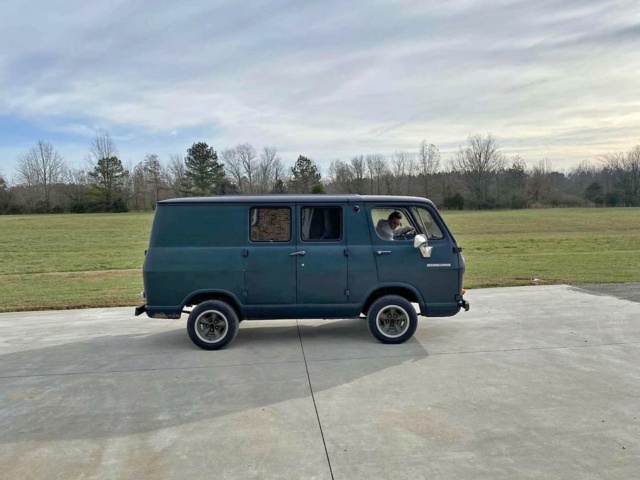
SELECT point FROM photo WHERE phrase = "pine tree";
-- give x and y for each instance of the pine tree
(108, 175)
(204, 175)
(305, 176)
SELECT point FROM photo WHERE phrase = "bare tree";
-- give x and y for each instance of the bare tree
(370, 163)
(341, 177)
(479, 162)
(76, 185)
(270, 170)
(155, 176)
(175, 174)
(247, 157)
(540, 181)
(380, 170)
(41, 167)
(626, 171)
(101, 147)
(246, 171)
(126, 184)
(428, 162)
(357, 167)
(139, 187)
(411, 165)
(399, 165)
(233, 167)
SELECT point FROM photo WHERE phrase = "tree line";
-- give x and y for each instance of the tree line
(477, 176)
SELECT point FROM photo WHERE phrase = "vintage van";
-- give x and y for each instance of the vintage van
(233, 258)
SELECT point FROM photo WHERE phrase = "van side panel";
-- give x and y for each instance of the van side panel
(193, 248)
(362, 273)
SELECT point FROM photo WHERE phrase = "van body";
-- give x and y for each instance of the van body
(299, 256)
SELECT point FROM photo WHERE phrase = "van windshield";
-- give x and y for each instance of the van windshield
(426, 223)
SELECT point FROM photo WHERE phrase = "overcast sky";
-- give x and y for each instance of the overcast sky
(328, 79)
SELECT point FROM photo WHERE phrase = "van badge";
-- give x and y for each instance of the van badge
(438, 264)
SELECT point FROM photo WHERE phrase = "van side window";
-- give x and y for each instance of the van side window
(270, 224)
(321, 224)
(392, 223)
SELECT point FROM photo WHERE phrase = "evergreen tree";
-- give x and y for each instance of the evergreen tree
(278, 187)
(305, 176)
(203, 175)
(108, 174)
(4, 195)
(593, 193)
(154, 176)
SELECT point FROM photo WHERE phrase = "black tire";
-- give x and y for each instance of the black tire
(392, 319)
(212, 325)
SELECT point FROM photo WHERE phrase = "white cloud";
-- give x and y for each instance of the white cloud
(329, 79)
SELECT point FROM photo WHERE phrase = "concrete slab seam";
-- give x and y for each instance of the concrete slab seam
(108, 372)
(314, 402)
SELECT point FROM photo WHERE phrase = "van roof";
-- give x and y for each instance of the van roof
(294, 198)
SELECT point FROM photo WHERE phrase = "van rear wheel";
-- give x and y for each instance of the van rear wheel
(392, 319)
(212, 325)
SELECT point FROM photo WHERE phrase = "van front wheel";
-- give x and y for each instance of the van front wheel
(392, 319)
(212, 325)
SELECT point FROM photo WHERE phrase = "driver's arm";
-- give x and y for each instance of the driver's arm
(402, 230)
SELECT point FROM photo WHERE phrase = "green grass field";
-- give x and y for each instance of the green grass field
(73, 261)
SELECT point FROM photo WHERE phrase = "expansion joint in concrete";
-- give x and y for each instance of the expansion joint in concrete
(314, 401)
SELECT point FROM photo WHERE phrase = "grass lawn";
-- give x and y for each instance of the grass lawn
(72, 261)
(545, 246)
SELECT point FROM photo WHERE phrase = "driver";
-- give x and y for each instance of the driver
(390, 228)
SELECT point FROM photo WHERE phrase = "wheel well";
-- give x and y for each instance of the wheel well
(400, 291)
(203, 297)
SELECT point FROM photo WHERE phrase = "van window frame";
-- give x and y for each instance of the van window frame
(403, 209)
(435, 218)
(326, 240)
(271, 242)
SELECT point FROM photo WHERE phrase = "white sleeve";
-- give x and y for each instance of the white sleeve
(401, 231)
(384, 230)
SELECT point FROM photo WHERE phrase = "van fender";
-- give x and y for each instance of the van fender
(200, 296)
(393, 288)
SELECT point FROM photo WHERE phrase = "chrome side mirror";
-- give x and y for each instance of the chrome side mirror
(420, 241)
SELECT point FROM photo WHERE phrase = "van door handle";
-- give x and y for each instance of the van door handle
(382, 252)
(301, 253)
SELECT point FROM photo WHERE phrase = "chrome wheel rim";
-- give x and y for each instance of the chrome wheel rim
(211, 326)
(392, 321)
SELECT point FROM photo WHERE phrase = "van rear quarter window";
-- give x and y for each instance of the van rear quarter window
(270, 224)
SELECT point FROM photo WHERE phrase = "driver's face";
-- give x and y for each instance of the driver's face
(394, 223)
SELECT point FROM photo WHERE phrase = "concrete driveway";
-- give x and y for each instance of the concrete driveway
(533, 382)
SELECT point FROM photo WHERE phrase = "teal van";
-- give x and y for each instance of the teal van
(234, 258)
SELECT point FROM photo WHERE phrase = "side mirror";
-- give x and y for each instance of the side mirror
(420, 241)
